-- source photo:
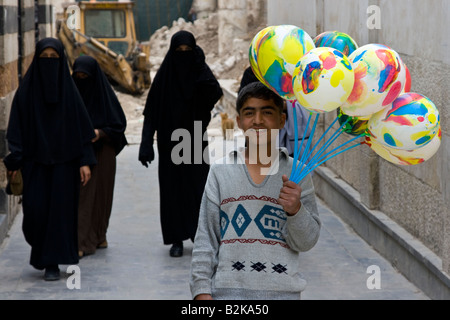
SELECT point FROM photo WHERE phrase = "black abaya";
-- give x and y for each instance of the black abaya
(49, 137)
(96, 199)
(183, 92)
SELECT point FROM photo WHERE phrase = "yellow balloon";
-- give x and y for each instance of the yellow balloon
(274, 53)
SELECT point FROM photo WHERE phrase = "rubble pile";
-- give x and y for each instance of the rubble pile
(227, 65)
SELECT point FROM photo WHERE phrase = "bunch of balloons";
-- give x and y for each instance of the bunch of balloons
(368, 87)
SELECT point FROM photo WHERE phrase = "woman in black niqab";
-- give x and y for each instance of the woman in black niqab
(109, 121)
(49, 137)
(182, 96)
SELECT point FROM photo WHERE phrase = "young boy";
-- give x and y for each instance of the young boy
(254, 221)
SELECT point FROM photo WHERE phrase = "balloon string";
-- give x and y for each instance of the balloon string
(328, 142)
(296, 153)
(335, 149)
(302, 176)
(317, 143)
(299, 169)
(298, 150)
(305, 153)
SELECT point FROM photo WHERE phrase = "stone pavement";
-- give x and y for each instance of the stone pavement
(137, 266)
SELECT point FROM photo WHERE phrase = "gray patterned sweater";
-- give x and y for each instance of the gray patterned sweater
(246, 247)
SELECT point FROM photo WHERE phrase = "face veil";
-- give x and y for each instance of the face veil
(48, 118)
(49, 76)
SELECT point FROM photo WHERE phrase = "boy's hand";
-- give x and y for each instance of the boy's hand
(203, 297)
(290, 196)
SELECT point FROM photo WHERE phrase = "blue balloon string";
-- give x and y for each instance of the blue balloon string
(335, 149)
(306, 151)
(305, 154)
(301, 177)
(317, 143)
(328, 142)
(300, 169)
(297, 153)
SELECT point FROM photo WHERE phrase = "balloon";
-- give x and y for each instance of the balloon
(323, 80)
(337, 40)
(354, 126)
(408, 80)
(274, 53)
(410, 122)
(380, 76)
(406, 157)
(253, 54)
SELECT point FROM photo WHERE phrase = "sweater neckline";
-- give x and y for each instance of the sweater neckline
(249, 177)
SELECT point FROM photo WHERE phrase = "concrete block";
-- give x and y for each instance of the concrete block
(232, 4)
(29, 44)
(5, 108)
(301, 13)
(414, 205)
(204, 5)
(348, 21)
(3, 147)
(8, 19)
(9, 42)
(399, 21)
(8, 2)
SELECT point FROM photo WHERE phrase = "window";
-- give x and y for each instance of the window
(105, 23)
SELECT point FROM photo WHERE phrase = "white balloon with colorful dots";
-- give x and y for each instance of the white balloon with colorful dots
(323, 80)
(409, 123)
(380, 77)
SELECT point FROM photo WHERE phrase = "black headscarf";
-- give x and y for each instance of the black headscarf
(247, 78)
(101, 102)
(48, 118)
(178, 94)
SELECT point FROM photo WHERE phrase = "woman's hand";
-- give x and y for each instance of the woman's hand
(85, 173)
(97, 136)
(12, 174)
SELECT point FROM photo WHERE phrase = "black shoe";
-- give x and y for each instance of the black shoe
(51, 273)
(177, 250)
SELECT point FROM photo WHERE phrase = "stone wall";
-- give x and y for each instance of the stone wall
(204, 8)
(237, 22)
(416, 197)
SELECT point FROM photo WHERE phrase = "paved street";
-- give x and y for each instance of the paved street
(137, 265)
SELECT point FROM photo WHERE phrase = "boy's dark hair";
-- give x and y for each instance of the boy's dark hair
(260, 91)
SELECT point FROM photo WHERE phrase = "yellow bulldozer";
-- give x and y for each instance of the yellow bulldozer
(105, 30)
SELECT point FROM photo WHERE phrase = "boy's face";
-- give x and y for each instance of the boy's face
(258, 117)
